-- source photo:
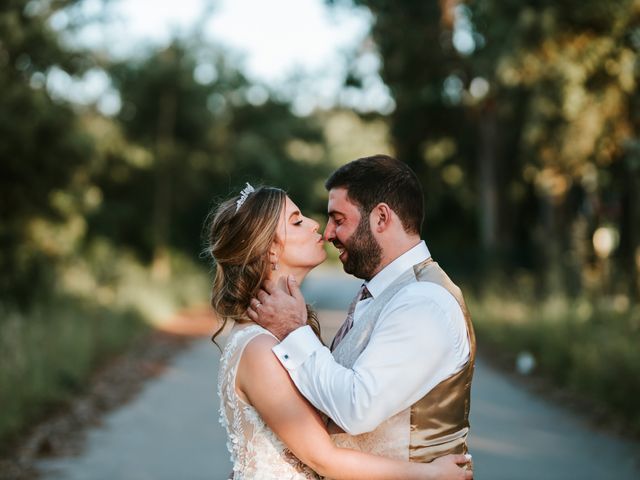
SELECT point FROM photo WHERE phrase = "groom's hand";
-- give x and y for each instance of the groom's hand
(280, 308)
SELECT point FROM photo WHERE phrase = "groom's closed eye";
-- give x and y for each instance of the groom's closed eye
(336, 217)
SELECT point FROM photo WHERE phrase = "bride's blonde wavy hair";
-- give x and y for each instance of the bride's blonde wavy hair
(239, 243)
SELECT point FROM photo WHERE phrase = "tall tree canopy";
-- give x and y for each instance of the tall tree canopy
(521, 118)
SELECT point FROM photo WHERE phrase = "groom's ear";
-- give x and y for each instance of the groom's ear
(381, 217)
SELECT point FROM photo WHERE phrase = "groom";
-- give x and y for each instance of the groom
(398, 376)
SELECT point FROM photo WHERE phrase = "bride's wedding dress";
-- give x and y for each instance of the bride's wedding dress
(256, 452)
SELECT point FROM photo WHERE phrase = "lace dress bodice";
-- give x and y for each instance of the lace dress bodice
(256, 452)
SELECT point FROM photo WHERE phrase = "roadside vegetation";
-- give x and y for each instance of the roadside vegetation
(589, 348)
(50, 350)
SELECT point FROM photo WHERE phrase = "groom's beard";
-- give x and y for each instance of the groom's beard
(363, 251)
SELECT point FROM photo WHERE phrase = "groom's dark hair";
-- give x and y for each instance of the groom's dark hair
(381, 178)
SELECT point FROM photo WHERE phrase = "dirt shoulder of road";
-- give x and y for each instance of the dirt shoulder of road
(113, 384)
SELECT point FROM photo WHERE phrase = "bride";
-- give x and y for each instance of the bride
(273, 432)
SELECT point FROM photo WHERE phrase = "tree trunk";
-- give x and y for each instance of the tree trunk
(487, 184)
(161, 268)
(630, 230)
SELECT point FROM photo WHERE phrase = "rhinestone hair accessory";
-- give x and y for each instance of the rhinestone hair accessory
(244, 193)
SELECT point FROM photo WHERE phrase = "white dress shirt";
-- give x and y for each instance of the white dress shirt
(420, 339)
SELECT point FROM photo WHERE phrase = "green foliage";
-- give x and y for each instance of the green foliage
(524, 131)
(42, 147)
(102, 216)
(590, 348)
(191, 129)
(49, 352)
(200, 139)
(430, 129)
(50, 349)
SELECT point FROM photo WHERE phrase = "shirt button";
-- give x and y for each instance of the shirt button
(286, 356)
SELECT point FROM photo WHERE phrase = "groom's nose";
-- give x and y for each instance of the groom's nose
(329, 232)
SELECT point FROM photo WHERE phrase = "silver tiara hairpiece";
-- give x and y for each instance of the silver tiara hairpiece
(244, 193)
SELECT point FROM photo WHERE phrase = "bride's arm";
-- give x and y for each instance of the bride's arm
(268, 387)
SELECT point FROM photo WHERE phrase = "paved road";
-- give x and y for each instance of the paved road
(170, 431)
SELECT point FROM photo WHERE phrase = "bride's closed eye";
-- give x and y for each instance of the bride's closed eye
(298, 223)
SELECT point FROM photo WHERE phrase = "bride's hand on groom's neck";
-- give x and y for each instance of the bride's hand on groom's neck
(279, 307)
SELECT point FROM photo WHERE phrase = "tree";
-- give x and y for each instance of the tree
(572, 68)
(431, 127)
(520, 114)
(42, 150)
(203, 129)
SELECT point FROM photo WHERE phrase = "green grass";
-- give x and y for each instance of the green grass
(590, 347)
(48, 354)
(106, 301)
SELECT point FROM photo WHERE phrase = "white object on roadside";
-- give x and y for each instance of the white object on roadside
(525, 363)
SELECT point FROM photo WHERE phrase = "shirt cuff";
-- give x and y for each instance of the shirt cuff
(297, 347)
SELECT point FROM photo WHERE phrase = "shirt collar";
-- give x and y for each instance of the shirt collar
(404, 262)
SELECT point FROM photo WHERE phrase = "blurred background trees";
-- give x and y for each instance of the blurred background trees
(103, 213)
(520, 117)
(42, 149)
(190, 127)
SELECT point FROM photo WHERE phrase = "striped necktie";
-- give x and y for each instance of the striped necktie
(363, 294)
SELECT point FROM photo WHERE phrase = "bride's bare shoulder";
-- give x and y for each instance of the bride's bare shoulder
(257, 354)
(260, 373)
(261, 343)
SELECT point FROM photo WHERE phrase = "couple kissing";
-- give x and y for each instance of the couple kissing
(390, 398)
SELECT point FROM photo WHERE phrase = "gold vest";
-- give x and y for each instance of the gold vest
(440, 419)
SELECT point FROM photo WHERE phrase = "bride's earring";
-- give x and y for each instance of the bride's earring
(273, 258)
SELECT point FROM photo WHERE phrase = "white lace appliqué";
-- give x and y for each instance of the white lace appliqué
(256, 452)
